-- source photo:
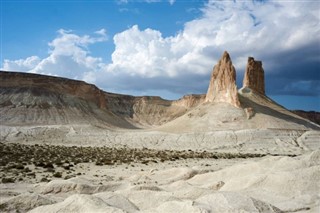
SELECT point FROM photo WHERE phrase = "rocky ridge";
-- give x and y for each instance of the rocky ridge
(39, 84)
(32, 99)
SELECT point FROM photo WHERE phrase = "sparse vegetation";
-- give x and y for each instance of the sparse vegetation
(7, 180)
(44, 179)
(17, 158)
(3, 206)
(57, 175)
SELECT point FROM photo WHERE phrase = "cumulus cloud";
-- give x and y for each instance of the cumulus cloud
(148, 54)
(103, 33)
(21, 64)
(276, 32)
(122, 1)
(283, 34)
(68, 57)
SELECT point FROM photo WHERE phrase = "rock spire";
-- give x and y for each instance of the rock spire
(222, 87)
(254, 76)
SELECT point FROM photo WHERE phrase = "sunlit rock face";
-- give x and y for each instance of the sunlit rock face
(222, 86)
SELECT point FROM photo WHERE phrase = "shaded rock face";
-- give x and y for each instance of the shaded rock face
(254, 76)
(222, 87)
(311, 115)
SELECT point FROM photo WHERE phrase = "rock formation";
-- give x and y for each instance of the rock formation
(40, 84)
(222, 87)
(254, 76)
(46, 100)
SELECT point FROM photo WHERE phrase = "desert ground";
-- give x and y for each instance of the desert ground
(102, 179)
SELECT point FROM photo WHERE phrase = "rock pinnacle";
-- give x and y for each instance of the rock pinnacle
(222, 87)
(254, 76)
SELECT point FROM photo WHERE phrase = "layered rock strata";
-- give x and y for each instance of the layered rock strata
(222, 86)
(45, 85)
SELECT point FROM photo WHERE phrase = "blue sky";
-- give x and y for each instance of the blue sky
(33, 24)
(166, 48)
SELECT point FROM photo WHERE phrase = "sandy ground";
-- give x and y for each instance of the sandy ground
(273, 141)
(258, 184)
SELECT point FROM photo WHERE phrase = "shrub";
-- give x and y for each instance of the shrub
(26, 169)
(50, 170)
(19, 166)
(3, 206)
(7, 180)
(31, 174)
(99, 163)
(68, 177)
(57, 175)
(44, 179)
(39, 164)
(66, 167)
(48, 165)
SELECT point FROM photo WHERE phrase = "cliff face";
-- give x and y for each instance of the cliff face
(222, 86)
(39, 84)
(31, 99)
(45, 100)
(254, 76)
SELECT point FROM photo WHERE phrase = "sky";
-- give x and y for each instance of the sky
(166, 47)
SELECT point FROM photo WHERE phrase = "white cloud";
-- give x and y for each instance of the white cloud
(135, 11)
(102, 32)
(171, 2)
(122, 1)
(21, 64)
(152, 1)
(68, 57)
(145, 59)
(243, 28)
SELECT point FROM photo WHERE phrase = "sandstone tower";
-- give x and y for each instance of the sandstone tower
(222, 86)
(254, 76)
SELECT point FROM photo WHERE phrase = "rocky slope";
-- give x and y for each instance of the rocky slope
(310, 115)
